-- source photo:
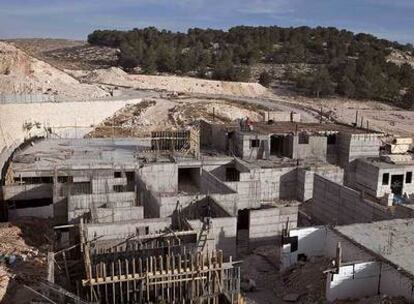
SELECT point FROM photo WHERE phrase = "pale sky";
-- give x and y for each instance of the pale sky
(75, 19)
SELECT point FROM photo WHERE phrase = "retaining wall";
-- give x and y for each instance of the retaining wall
(339, 205)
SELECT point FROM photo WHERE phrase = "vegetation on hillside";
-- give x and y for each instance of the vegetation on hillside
(351, 65)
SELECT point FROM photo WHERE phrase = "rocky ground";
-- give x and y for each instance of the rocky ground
(23, 257)
(24, 74)
(304, 283)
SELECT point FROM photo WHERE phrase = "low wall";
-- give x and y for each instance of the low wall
(67, 119)
(361, 279)
(318, 241)
(353, 281)
(339, 205)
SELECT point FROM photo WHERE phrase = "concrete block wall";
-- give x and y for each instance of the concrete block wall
(365, 177)
(213, 136)
(353, 281)
(361, 274)
(41, 212)
(125, 229)
(147, 198)
(160, 177)
(87, 201)
(353, 146)
(107, 184)
(244, 146)
(361, 279)
(339, 205)
(106, 215)
(280, 116)
(397, 170)
(267, 224)
(211, 184)
(27, 192)
(315, 149)
(320, 241)
(394, 283)
(168, 204)
(276, 183)
(248, 193)
(305, 177)
(229, 202)
(222, 234)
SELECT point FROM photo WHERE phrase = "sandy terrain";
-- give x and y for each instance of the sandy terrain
(118, 77)
(23, 74)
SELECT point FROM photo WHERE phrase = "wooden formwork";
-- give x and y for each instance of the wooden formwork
(158, 271)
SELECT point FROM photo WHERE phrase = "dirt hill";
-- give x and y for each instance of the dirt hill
(117, 77)
(68, 54)
(23, 74)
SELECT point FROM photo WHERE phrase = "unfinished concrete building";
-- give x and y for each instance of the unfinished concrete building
(155, 220)
(163, 218)
(370, 258)
(380, 188)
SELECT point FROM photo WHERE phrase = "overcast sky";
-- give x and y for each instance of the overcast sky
(75, 19)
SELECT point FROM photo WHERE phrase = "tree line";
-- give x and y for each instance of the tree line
(347, 64)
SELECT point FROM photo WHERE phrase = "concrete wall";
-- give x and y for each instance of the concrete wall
(87, 201)
(305, 179)
(280, 116)
(213, 136)
(107, 215)
(27, 192)
(244, 149)
(395, 283)
(336, 204)
(41, 212)
(125, 229)
(320, 241)
(160, 177)
(82, 114)
(316, 148)
(276, 183)
(365, 177)
(210, 184)
(362, 279)
(353, 281)
(368, 177)
(222, 234)
(267, 224)
(352, 146)
(248, 193)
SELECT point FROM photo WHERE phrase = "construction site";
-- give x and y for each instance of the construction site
(200, 196)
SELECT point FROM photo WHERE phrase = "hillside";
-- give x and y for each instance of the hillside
(24, 74)
(68, 54)
(352, 65)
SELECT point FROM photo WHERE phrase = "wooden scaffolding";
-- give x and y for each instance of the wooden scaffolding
(158, 270)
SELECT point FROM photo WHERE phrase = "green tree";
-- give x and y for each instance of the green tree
(346, 87)
(408, 99)
(165, 59)
(265, 79)
(322, 84)
(149, 64)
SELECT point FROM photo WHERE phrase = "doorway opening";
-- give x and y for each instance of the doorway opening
(397, 184)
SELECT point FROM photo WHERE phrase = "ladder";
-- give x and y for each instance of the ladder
(203, 236)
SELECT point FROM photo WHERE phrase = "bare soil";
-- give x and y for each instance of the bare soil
(27, 239)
